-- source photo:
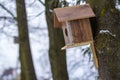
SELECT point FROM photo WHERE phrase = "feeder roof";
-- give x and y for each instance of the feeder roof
(72, 13)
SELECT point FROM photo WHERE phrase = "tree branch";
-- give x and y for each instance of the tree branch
(39, 13)
(5, 17)
(8, 11)
(41, 2)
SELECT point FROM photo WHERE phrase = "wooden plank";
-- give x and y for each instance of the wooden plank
(75, 45)
(76, 31)
(81, 31)
(94, 54)
(73, 13)
(87, 30)
(57, 24)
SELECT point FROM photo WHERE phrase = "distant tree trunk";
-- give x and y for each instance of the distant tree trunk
(56, 55)
(107, 42)
(27, 69)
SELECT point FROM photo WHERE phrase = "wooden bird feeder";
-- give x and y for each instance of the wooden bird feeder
(75, 24)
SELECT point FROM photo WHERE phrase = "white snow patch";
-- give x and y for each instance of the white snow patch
(117, 6)
(106, 31)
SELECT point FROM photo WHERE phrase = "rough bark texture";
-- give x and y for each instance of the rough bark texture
(27, 69)
(56, 56)
(107, 44)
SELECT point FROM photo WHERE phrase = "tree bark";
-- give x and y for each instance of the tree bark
(56, 56)
(27, 69)
(107, 38)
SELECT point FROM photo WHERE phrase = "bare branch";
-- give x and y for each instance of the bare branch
(32, 3)
(1, 29)
(41, 2)
(34, 16)
(39, 13)
(8, 11)
(5, 17)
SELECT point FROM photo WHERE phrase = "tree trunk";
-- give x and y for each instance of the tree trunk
(57, 57)
(27, 69)
(107, 38)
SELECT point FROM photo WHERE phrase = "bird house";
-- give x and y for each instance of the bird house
(75, 24)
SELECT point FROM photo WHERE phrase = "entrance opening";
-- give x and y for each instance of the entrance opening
(66, 33)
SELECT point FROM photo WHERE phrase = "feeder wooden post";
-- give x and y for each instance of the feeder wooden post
(94, 54)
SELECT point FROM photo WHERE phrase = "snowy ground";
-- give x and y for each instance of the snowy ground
(80, 67)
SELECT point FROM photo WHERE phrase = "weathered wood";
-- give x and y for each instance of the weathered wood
(56, 22)
(76, 26)
(65, 33)
(81, 30)
(94, 54)
(87, 29)
(75, 45)
(72, 13)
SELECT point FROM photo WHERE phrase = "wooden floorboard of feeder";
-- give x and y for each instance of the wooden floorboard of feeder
(75, 45)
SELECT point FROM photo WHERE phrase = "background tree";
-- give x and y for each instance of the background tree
(27, 69)
(107, 38)
(56, 55)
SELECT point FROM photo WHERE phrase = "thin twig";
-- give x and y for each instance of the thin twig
(41, 2)
(6, 17)
(39, 13)
(31, 3)
(34, 16)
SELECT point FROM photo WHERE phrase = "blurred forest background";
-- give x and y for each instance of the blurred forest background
(78, 66)
(31, 47)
